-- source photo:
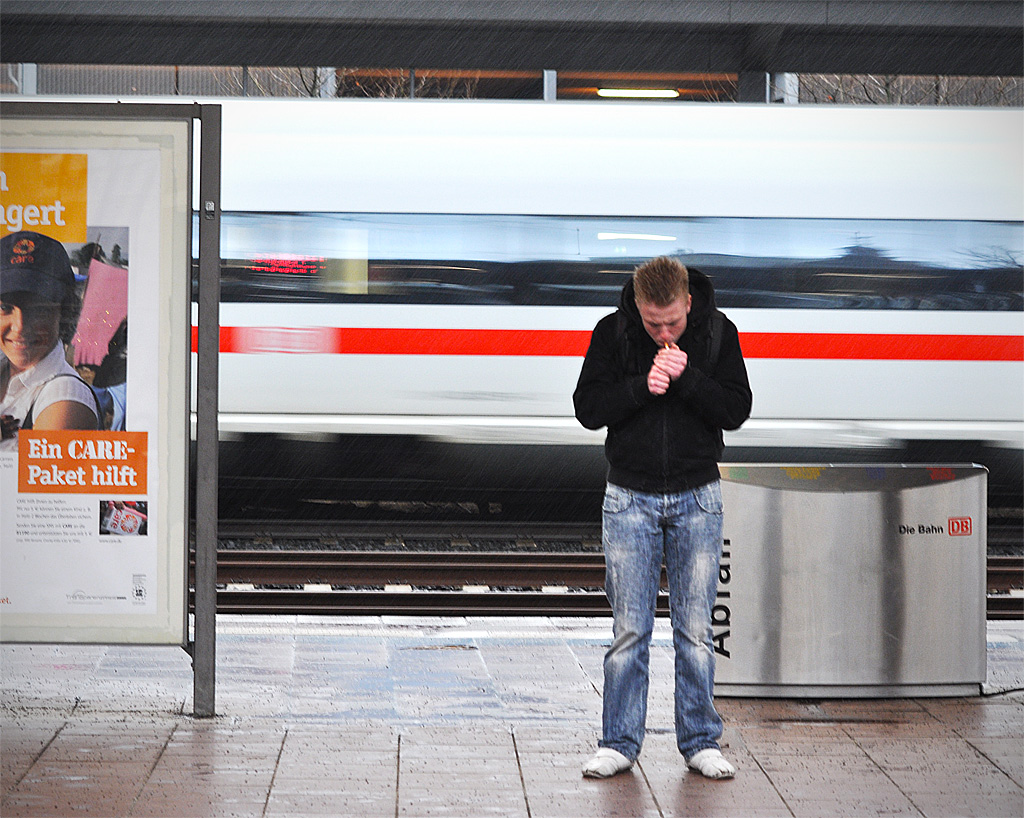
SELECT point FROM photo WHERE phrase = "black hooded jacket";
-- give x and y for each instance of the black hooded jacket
(672, 442)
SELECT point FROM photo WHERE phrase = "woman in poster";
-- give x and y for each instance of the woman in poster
(38, 310)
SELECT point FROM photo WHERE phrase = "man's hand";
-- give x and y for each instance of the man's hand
(669, 364)
(658, 381)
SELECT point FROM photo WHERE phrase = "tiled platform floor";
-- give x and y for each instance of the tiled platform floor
(456, 717)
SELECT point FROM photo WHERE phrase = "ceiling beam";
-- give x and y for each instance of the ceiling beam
(977, 37)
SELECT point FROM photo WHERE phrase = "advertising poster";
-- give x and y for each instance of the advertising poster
(94, 329)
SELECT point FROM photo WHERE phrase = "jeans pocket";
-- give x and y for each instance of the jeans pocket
(709, 497)
(616, 499)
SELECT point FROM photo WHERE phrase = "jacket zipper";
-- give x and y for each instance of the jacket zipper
(664, 448)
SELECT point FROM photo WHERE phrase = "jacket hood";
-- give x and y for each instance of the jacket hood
(701, 288)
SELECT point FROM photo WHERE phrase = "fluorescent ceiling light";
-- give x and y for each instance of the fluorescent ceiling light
(639, 93)
(637, 236)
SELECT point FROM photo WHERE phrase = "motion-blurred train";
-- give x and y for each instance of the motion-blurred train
(430, 272)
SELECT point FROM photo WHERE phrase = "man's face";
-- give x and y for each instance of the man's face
(665, 324)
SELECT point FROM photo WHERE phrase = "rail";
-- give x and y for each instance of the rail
(457, 583)
(1005, 599)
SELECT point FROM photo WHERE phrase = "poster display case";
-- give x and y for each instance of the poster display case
(96, 272)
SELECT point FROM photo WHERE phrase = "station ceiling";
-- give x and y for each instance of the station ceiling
(967, 37)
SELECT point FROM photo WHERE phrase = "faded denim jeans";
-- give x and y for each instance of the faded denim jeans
(640, 531)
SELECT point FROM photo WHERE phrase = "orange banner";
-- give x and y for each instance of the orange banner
(44, 192)
(59, 461)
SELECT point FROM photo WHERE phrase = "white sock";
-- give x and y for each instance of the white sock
(606, 762)
(711, 764)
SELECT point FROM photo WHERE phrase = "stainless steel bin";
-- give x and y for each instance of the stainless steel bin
(841, 580)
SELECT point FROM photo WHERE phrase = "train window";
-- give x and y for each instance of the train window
(583, 261)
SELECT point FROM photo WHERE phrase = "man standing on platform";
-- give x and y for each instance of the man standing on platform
(666, 375)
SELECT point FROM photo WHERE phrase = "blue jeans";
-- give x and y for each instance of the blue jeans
(640, 531)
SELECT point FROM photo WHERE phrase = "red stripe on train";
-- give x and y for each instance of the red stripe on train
(573, 343)
(901, 347)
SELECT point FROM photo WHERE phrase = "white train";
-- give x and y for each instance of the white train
(434, 268)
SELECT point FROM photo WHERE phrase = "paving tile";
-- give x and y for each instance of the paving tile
(929, 728)
(850, 807)
(684, 795)
(446, 751)
(1001, 719)
(164, 775)
(680, 792)
(552, 766)
(186, 803)
(361, 782)
(530, 737)
(378, 804)
(62, 773)
(111, 724)
(956, 805)
(914, 754)
(110, 749)
(956, 782)
(841, 784)
(240, 747)
(473, 779)
(11, 772)
(811, 764)
(71, 789)
(1005, 753)
(344, 742)
(205, 791)
(455, 801)
(495, 768)
(362, 716)
(20, 746)
(211, 764)
(799, 755)
(78, 789)
(46, 806)
(444, 735)
(571, 797)
(335, 760)
(28, 737)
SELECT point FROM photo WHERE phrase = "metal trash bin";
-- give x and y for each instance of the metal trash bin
(852, 581)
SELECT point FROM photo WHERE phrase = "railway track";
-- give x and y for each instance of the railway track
(1005, 598)
(432, 583)
(446, 535)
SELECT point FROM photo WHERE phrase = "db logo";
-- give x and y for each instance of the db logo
(959, 526)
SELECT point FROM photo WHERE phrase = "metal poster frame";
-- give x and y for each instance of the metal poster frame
(135, 118)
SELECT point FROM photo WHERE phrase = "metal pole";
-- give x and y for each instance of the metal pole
(204, 653)
(753, 86)
(550, 85)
